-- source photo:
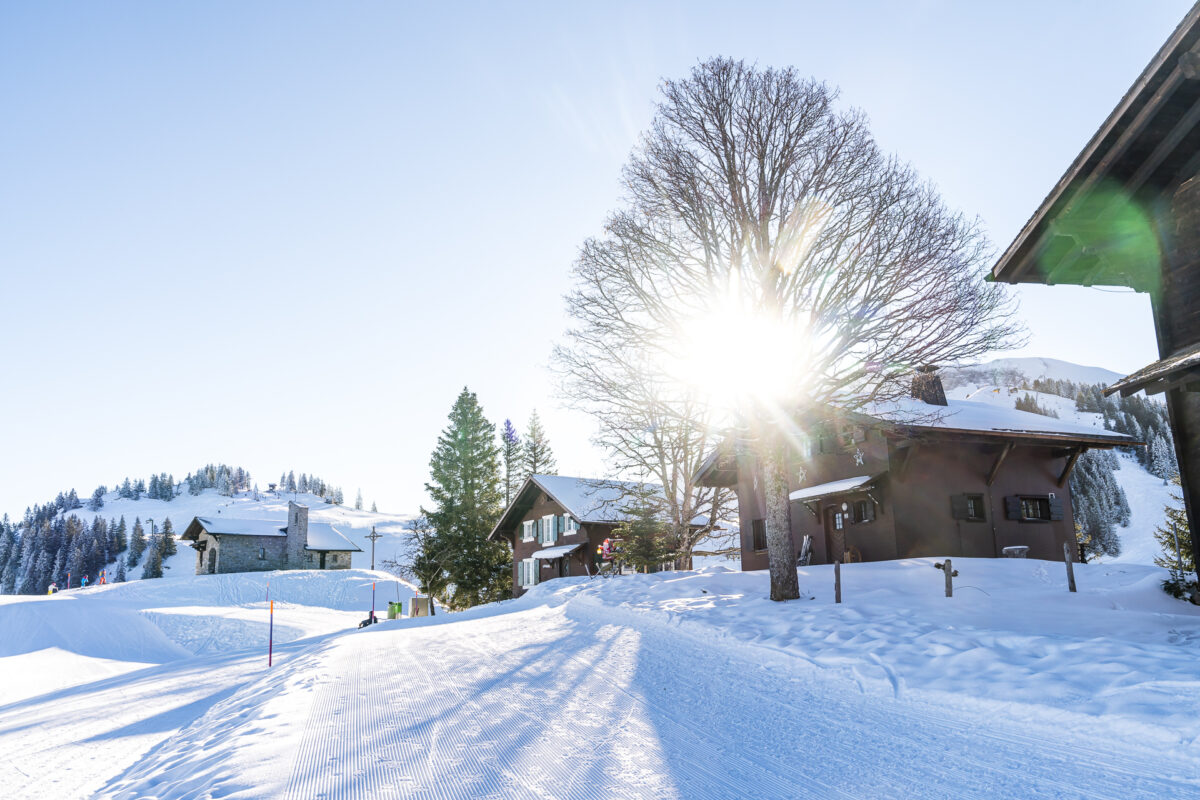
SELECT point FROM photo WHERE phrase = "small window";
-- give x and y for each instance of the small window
(758, 534)
(308, 558)
(262, 554)
(838, 520)
(1037, 508)
(862, 511)
(527, 530)
(974, 508)
(968, 507)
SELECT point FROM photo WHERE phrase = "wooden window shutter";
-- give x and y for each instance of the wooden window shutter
(1012, 507)
(869, 516)
(520, 573)
(1056, 508)
(958, 506)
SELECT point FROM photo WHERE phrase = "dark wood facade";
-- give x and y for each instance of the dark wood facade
(534, 504)
(1127, 213)
(928, 491)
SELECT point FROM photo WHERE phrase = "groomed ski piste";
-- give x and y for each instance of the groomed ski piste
(674, 685)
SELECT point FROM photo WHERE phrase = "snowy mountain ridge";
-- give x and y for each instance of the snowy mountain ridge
(1004, 370)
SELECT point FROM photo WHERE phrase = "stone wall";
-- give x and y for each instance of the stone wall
(297, 536)
(242, 553)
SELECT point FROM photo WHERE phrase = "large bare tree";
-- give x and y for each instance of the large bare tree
(769, 258)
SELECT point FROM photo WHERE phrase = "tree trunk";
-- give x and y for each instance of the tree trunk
(781, 555)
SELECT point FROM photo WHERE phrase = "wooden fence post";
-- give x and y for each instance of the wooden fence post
(949, 579)
(837, 581)
(1070, 566)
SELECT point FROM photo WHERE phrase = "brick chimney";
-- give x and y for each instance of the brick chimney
(297, 535)
(927, 386)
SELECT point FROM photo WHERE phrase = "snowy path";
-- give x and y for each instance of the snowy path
(560, 702)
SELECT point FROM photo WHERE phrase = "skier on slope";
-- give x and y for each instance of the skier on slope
(52, 588)
(83, 582)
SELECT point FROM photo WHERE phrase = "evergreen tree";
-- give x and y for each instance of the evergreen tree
(224, 487)
(59, 575)
(168, 539)
(374, 510)
(645, 535)
(119, 538)
(137, 542)
(512, 457)
(358, 501)
(537, 457)
(120, 576)
(1099, 503)
(303, 485)
(1176, 556)
(467, 500)
(153, 566)
(97, 501)
(126, 490)
(291, 481)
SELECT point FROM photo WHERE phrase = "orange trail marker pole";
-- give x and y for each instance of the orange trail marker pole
(270, 627)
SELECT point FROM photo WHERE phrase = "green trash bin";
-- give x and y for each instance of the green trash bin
(395, 609)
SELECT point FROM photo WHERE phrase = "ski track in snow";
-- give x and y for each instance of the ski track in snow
(565, 702)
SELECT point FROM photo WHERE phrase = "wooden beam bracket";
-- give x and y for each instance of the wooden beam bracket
(991, 478)
(1071, 459)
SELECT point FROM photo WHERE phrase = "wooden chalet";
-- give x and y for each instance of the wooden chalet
(1127, 213)
(555, 524)
(921, 477)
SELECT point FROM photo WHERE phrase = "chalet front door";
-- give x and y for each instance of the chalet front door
(322, 559)
(212, 561)
(835, 534)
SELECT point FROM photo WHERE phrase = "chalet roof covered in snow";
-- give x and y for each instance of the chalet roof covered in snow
(967, 416)
(832, 488)
(231, 526)
(323, 536)
(588, 500)
(558, 551)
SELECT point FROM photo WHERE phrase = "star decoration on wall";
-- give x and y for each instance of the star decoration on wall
(859, 456)
(801, 476)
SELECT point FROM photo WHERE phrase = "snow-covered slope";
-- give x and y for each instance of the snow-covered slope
(674, 685)
(1147, 494)
(356, 525)
(1048, 368)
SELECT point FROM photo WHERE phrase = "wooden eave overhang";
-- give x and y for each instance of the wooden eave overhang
(1030, 438)
(1149, 143)
(1181, 370)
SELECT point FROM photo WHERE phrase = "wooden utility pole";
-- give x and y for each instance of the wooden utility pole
(951, 573)
(1070, 566)
(837, 581)
(374, 537)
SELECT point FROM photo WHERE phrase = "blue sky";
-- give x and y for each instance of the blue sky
(285, 235)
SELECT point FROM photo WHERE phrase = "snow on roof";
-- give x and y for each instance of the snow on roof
(323, 536)
(831, 488)
(967, 415)
(231, 526)
(592, 499)
(557, 552)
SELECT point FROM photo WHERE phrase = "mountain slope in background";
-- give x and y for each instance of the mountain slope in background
(1033, 368)
(998, 383)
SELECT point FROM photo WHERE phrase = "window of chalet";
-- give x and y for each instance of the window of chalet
(758, 534)
(527, 530)
(262, 554)
(527, 572)
(1034, 508)
(862, 511)
(308, 557)
(968, 507)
